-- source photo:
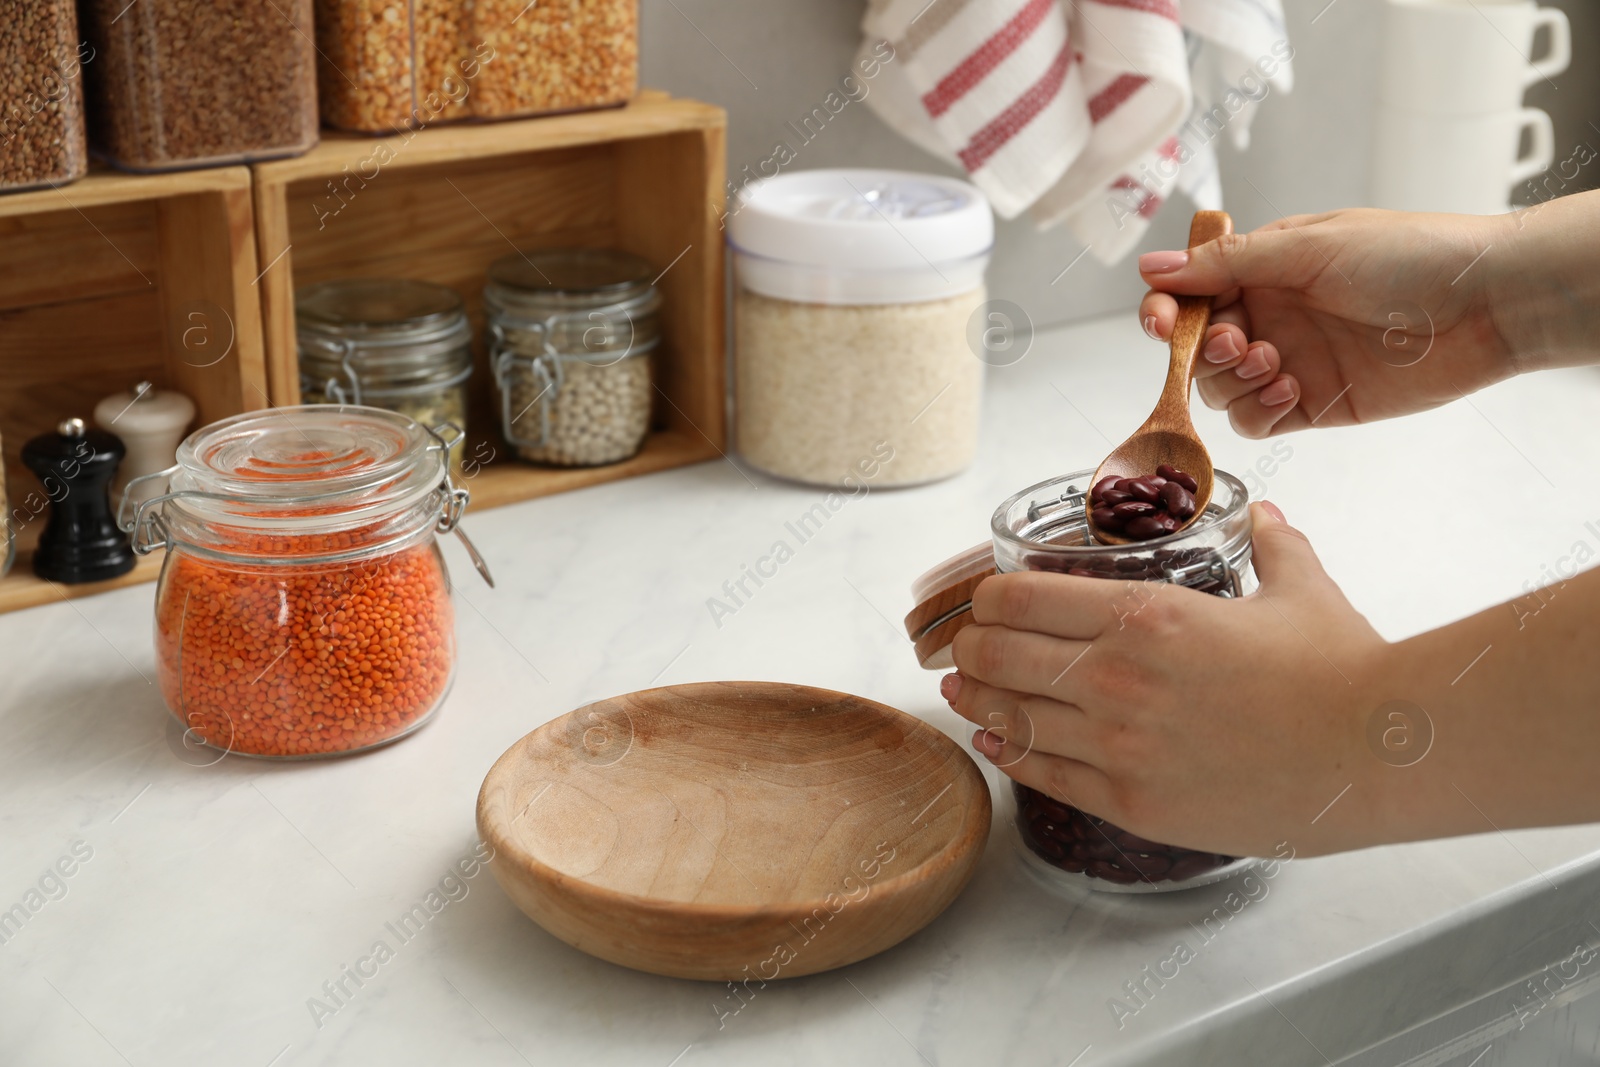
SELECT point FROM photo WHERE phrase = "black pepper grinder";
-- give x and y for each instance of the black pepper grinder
(81, 542)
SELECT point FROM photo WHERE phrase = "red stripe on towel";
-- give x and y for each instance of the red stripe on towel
(989, 55)
(1112, 96)
(993, 137)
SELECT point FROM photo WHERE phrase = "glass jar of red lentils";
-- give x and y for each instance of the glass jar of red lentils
(303, 608)
(1043, 528)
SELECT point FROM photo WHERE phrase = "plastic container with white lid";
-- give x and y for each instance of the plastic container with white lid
(856, 292)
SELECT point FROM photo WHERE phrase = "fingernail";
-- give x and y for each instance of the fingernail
(988, 743)
(950, 687)
(1255, 364)
(1150, 327)
(1272, 509)
(1279, 392)
(1162, 262)
(1222, 348)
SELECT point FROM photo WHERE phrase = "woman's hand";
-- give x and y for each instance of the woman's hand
(1216, 724)
(1347, 317)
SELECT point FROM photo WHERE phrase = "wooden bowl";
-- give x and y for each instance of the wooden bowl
(734, 830)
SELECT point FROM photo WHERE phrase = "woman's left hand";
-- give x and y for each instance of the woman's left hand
(1200, 721)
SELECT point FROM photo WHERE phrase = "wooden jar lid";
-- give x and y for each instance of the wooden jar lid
(734, 830)
(944, 604)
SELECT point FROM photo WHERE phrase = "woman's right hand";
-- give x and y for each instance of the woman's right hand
(1346, 317)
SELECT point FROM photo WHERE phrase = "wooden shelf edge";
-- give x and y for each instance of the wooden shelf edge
(505, 483)
(24, 589)
(649, 114)
(509, 482)
(99, 188)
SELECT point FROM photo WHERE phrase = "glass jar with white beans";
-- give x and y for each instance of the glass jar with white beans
(570, 337)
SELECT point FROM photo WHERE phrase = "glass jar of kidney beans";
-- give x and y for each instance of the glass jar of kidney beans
(1043, 528)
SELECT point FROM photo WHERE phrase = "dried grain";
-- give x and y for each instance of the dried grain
(182, 82)
(41, 110)
(599, 414)
(556, 55)
(819, 386)
(298, 661)
(391, 65)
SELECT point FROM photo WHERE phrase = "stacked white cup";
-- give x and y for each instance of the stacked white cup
(1450, 121)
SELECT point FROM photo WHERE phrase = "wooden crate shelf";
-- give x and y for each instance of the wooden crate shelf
(107, 281)
(442, 204)
(122, 277)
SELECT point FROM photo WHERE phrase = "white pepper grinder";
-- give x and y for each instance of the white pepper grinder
(150, 422)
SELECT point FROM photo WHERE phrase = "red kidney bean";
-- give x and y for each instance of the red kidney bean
(1177, 500)
(1144, 528)
(1151, 865)
(1054, 808)
(1081, 843)
(1111, 872)
(1143, 490)
(1093, 851)
(1166, 497)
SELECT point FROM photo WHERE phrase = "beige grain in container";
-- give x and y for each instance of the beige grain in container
(856, 290)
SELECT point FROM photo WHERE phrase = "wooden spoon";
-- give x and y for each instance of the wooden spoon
(1168, 435)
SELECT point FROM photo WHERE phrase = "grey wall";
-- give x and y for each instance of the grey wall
(1573, 99)
(769, 62)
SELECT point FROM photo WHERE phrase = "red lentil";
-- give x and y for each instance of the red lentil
(290, 661)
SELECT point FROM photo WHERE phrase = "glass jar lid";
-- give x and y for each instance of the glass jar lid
(1045, 527)
(389, 331)
(539, 282)
(593, 303)
(331, 480)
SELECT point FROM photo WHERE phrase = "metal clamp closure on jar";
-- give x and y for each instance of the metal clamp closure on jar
(1180, 569)
(389, 342)
(347, 387)
(150, 528)
(547, 368)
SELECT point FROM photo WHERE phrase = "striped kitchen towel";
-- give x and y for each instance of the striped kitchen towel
(1088, 112)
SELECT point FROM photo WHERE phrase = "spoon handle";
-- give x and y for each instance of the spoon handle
(1194, 318)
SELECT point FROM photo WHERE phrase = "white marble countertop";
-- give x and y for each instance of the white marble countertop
(208, 904)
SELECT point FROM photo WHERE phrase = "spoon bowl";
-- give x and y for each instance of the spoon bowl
(1168, 436)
